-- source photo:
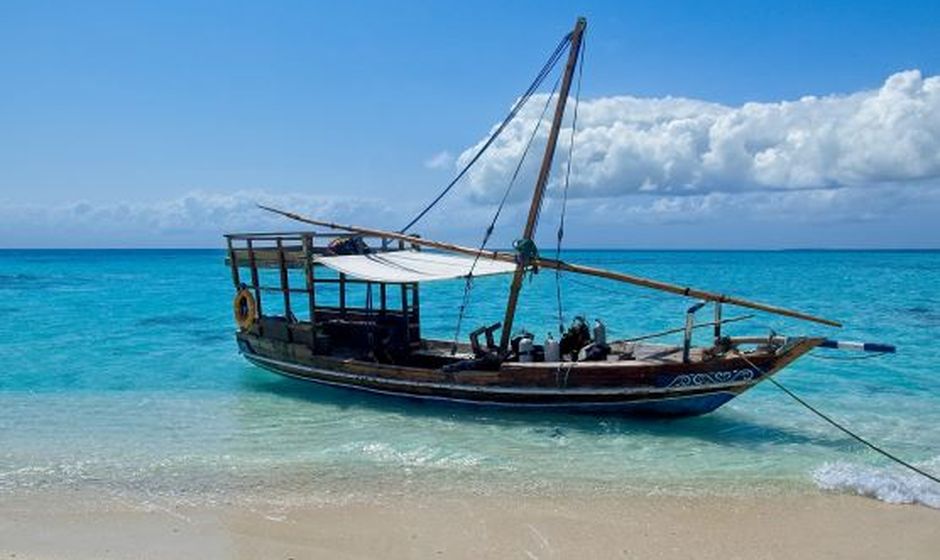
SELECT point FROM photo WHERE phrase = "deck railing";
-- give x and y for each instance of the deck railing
(284, 251)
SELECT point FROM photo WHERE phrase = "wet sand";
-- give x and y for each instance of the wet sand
(813, 526)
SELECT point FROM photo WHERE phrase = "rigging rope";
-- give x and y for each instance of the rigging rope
(840, 427)
(489, 230)
(540, 77)
(564, 199)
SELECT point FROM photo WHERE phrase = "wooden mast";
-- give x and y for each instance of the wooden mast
(529, 232)
(563, 266)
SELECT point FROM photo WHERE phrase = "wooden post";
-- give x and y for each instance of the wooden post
(404, 299)
(255, 282)
(311, 290)
(529, 232)
(689, 327)
(717, 321)
(342, 295)
(233, 262)
(415, 305)
(416, 312)
(285, 284)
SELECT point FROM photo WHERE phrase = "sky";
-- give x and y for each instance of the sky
(702, 125)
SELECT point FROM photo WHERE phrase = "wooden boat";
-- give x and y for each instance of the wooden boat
(361, 324)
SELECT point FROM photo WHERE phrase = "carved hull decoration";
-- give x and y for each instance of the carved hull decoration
(717, 378)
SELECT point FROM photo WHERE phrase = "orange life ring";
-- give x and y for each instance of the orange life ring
(246, 309)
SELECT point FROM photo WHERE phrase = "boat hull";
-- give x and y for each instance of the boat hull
(633, 389)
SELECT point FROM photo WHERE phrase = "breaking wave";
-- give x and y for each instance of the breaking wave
(889, 485)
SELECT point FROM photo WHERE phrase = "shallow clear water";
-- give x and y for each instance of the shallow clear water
(120, 373)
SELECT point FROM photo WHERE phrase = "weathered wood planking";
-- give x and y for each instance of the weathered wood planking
(623, 376)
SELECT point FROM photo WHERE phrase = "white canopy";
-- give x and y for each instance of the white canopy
(412, 266)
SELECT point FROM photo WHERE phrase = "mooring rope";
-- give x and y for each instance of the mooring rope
(839, 426)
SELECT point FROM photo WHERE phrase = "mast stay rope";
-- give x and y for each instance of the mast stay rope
(468, 286)
(533, 87)
(564, 198)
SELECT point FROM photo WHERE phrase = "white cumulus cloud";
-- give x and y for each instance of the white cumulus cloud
(677, 147)
(440, 160)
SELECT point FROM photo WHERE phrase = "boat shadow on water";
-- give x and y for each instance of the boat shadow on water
(728, 428)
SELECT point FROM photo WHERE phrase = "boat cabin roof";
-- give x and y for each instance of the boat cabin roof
(410, 265)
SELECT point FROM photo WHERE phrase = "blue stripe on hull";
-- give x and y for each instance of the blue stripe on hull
(692, 405)
(685, 406)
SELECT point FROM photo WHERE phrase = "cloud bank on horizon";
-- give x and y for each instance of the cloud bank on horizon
(684, 147)
(197, 219)
(645, 169)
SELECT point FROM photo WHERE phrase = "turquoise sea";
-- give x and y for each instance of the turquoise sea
(119, 375)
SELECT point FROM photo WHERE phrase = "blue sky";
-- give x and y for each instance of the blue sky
(156, 124)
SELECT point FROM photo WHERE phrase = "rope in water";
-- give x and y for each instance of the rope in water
(839, 426)
(539, 78)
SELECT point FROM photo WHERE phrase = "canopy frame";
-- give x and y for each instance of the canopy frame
(329, 298)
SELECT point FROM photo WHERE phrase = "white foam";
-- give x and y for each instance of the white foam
(894, 485)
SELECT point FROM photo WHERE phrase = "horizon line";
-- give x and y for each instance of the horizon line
(582, 249)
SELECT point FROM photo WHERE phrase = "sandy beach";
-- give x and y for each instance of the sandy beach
(812, 526)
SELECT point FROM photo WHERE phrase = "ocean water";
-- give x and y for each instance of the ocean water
(119, 375)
